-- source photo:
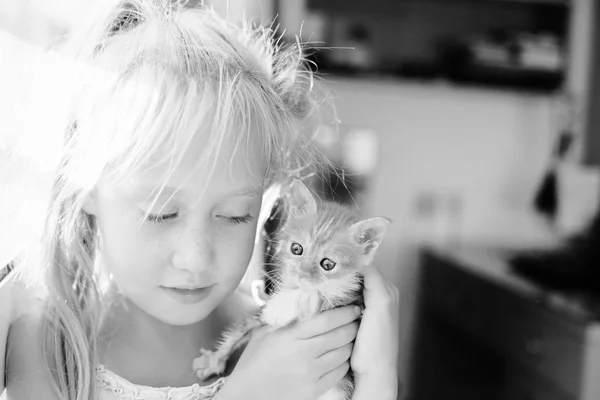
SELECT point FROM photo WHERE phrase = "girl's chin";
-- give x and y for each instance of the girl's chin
(171, 312)
(182, 315)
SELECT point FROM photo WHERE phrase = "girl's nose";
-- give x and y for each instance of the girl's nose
(194, 252)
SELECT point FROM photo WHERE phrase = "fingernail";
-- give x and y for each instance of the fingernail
(357, 310)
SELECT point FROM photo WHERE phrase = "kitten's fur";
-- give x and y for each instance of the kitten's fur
(324, 230)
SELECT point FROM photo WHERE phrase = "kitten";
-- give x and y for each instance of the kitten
(322, 248)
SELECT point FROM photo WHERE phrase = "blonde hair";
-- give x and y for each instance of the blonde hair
(152, 75)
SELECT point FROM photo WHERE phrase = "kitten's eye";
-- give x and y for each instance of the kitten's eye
(296, 249)
(327, 264)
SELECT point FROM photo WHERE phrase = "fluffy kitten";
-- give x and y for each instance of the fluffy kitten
(321, 250)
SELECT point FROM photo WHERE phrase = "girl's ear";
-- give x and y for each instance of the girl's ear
(90, 203)
(369, 234)
(301, 200)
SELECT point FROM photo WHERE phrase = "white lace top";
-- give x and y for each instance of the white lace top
(114, 387)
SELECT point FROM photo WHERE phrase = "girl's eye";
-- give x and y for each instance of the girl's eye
(159, 218)
(297, 249)
(327, 264)
(244, 219)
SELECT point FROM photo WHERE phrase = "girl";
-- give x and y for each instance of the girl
(180, 123)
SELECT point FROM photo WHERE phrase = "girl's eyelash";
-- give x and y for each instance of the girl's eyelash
(244, 219)
(161, 218)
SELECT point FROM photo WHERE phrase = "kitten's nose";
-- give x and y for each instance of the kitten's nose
(306, 271)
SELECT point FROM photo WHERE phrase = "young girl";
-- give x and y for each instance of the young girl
(181, 122)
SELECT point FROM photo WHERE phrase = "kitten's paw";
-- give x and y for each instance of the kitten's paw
(209, 363)
(276, 316)
(342, 391)
(335, 393)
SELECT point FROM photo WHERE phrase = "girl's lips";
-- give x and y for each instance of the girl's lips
(188, 296)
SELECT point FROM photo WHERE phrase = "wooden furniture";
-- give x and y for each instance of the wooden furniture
(588, 87)
(390, 6)
(486, 333)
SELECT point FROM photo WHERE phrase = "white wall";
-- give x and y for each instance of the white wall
(490, 148)
(239, 10)
(38, 21)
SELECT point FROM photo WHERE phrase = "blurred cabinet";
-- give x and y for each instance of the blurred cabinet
(352, 6)
(480, 338)
(587, 82)
(386, 6)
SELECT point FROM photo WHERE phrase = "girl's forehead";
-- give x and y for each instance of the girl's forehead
(231, 166)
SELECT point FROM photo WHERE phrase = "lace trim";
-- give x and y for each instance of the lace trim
(124, 389)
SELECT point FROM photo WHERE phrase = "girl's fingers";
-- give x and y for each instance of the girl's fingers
(334, 358)
(327, 321)
(335, 339)
(260, 332)
(331, 378)
(373, 279)
(377, 289)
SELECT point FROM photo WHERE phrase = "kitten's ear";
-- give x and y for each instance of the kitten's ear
(301, 200)
(369, 234)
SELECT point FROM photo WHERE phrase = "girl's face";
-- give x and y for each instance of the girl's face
(192, 251)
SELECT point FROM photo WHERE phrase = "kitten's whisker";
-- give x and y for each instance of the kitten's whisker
(268, 275)
(275, 263)
(277, 257)
(278, 279)
(273, 277)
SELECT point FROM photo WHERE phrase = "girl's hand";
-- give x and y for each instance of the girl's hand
(299, 362)
(375, 357)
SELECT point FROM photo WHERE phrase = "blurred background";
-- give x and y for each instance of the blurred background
(473, 125)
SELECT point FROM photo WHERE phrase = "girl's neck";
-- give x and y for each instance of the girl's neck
(146, 351)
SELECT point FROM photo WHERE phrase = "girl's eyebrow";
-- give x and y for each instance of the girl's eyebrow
(150, 192)
(248, 191)
(155, 189)
(170, 190)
